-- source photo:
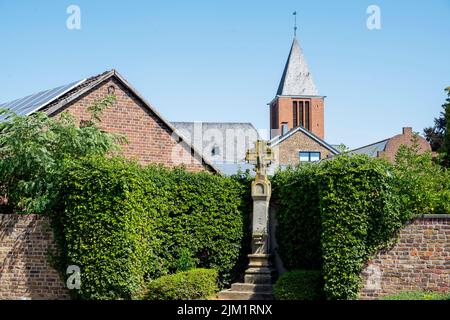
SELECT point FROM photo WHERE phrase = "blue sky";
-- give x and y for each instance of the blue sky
(222, 60)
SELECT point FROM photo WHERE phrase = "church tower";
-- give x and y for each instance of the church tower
(297, 102)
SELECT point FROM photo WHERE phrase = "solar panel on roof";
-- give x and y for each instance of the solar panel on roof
(32, 103)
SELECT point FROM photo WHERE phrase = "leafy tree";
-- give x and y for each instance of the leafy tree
(445, 149)
(423, 185)
(35, 149)
(439, 135)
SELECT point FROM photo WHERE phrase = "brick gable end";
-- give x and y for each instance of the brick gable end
(150, 140)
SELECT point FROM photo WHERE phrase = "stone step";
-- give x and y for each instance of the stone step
(238, 295)
(248, 287)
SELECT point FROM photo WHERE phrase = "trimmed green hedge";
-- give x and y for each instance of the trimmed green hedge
(360, 213)
(123, 224)
(187, 285)
(299, 285)
(296, 195)
(333, 215)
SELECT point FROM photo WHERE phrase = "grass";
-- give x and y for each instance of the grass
(417, 295)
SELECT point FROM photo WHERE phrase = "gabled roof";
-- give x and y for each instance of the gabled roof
(217, 125)
(296, 79)
(372, 149)
(232, 138)
(221, 126)
(279, 139)
(51, 101)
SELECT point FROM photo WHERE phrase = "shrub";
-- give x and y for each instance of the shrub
(122, 223)
(360, 214)
(296, 195)
(107, 228)
(299, 285)
(188, 285)
(423, 185)
(185, 261)
(334, 215)
(201, 213)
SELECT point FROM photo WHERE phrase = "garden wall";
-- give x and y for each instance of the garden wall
(25, 273)
(420, 260)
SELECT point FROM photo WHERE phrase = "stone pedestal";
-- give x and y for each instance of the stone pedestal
(259, 270)
(259, 274)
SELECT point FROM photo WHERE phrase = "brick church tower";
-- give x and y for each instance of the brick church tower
(297, 102)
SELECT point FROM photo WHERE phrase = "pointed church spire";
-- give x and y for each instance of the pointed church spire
(296, 79)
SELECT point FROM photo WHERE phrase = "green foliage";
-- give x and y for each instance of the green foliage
(424, 186)
(244, 180)
(296, 195)
(335, 214)
(188, 285)
(417, 295)
(107, 229)
(360, 214)
(299, 285)
(445, 148)
(185, 261)
(202, 213)
(439, 134)
(123, 223)
(34, 151)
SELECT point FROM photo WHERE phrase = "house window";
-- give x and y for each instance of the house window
(309, 156)
(295, 114)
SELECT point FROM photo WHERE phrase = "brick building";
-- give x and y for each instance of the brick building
(297, 102)
(388, 148)
(151, 139)
(300, 145)
(297, 127)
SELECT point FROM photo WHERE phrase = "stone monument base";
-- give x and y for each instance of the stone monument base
(257, 284)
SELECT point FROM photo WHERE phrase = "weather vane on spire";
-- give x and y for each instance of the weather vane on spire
(295, 23)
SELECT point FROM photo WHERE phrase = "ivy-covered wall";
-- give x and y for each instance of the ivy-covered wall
(416, 262)
(335, 215)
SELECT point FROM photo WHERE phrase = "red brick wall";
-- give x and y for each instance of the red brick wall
(149, 139)
(284, 108)
(25, 273)
(419, 261)
(317, 117)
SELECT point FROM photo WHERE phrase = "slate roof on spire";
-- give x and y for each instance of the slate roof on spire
(296, 79)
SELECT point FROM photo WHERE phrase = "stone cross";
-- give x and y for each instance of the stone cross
(262, 156)
(259, 269)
